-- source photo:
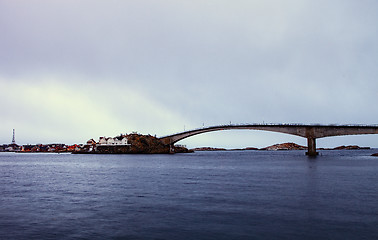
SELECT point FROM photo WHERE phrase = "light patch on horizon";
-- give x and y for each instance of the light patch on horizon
(51, 109)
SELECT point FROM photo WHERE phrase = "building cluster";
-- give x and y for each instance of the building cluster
(119, 140)
(106, 141)
(9, 147)
(59, 147)
(91, 145)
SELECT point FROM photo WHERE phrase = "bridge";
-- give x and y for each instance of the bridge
(311, 132)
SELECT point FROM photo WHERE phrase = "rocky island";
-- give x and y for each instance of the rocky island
(129, 143)
(285, 146)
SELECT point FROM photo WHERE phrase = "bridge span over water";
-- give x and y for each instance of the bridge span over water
(311, 132)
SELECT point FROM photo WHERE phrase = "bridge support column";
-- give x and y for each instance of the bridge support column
(171, 148)
(311, 144)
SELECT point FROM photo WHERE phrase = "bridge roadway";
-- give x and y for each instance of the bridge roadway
(311, 132)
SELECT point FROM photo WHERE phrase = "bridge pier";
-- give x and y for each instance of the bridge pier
(171, 148)
(311, 144)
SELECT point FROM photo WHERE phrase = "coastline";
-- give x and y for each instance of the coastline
(146, 144)
(281, 147)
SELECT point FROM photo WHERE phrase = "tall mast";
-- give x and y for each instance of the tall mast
(14, 137)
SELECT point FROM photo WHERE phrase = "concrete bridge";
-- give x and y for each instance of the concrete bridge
(311, 132)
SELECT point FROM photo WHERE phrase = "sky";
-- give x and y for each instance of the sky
(74, 70)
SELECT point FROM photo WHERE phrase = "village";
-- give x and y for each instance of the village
(124, 143)
(91, 145)
(55, 147)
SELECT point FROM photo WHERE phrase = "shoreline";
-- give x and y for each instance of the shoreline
(179, 149)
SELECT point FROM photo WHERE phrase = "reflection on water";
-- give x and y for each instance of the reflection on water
(204, 195)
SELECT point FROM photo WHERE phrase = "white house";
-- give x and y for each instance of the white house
(102, 141)
(124, 141)
(120, 140)
(110, 141)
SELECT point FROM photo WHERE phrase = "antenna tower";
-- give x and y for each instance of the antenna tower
(14, 137)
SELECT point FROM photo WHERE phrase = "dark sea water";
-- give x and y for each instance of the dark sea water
(203, 195)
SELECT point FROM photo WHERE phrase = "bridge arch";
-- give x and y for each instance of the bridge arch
(311, 132)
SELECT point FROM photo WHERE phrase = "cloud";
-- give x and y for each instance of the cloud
(155, 66)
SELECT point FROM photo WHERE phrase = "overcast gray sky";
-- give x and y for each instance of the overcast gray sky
(73, 70)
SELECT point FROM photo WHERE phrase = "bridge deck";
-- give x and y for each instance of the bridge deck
(311, 132)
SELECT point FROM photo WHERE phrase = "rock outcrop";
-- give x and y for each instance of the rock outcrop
(350, 147)
(208, 149)
(285, 146)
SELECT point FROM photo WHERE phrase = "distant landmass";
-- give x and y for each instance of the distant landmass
(349, 147)
(280, 147)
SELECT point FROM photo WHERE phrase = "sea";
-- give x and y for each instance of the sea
(201, 195)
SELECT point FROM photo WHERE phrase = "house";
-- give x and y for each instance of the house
(13, 148)
(102, 141)
(119, 140)
(91, 142)
(110, 141)
(71, 148)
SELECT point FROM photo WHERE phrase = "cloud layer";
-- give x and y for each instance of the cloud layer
(73, 70)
